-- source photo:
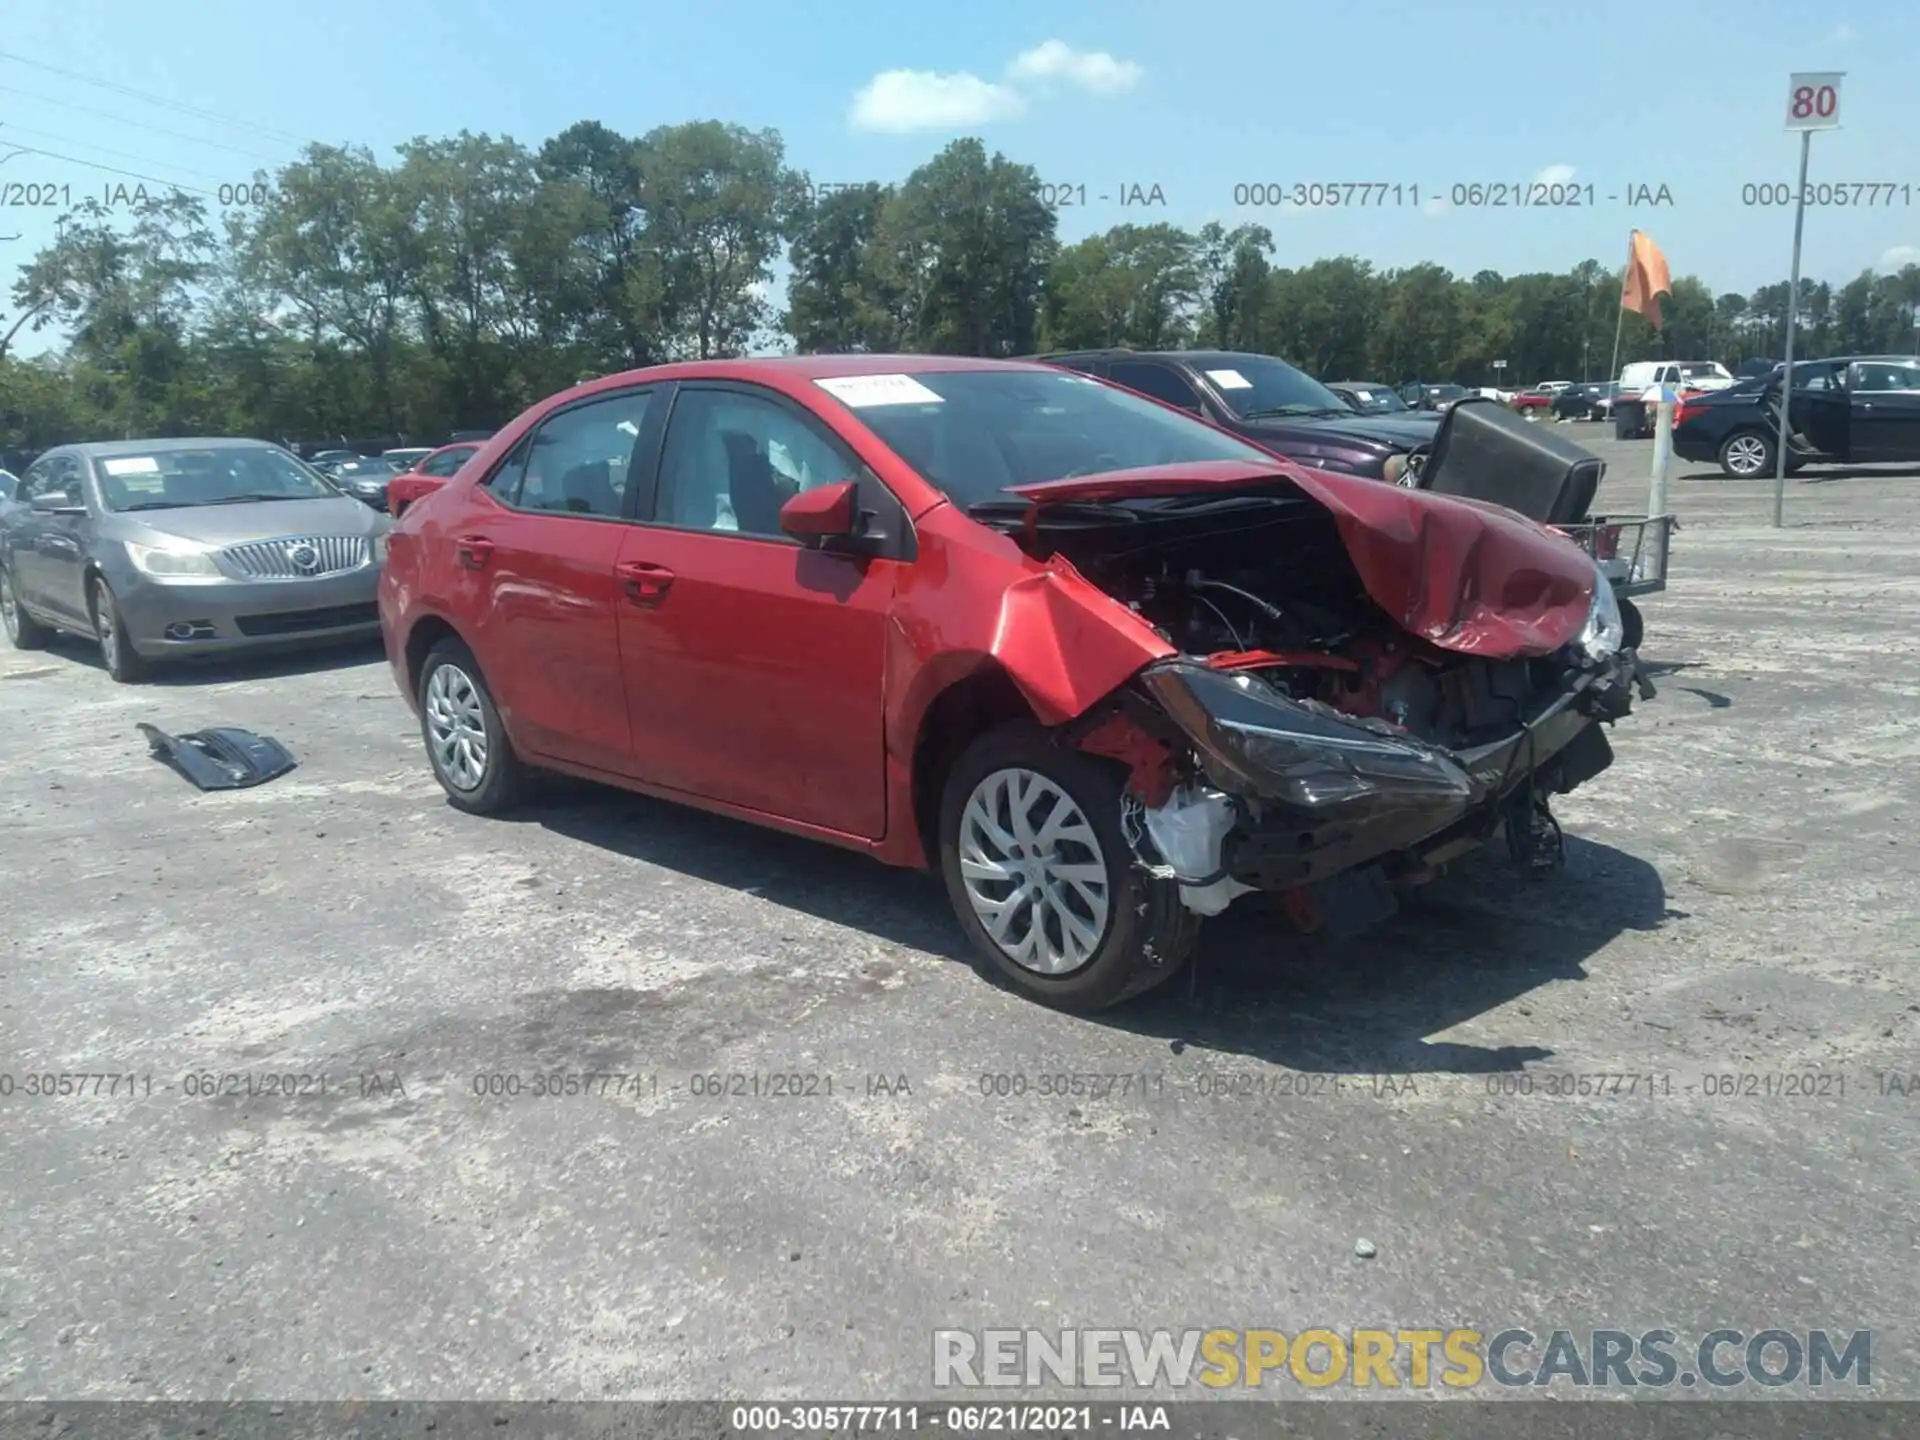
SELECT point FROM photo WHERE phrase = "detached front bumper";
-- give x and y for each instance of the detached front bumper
(1318, 792)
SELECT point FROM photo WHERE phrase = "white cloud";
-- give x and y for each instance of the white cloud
(1093, 70)
(1900, 256)
(897, 101)
(1844, 35)
(1554, 175)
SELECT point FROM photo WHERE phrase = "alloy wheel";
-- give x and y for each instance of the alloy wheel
(9, 607)
(1034, 872)
(456, 727)
(106, 628)
(1746, 455)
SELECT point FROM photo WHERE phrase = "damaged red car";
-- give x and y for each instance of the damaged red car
(1102, 665)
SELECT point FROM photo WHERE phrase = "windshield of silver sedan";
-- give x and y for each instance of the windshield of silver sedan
(976, 433)
(168, 479)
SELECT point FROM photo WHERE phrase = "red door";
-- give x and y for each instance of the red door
(753, 665)
(537, 551)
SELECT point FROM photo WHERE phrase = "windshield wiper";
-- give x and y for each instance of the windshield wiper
(1262, 412)
(150, 505)
(250, 499)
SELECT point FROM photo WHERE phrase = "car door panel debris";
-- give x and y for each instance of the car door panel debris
(221, 757)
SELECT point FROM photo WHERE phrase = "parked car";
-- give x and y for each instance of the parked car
(1437, 398)
(1264, 399)
(405, 458)
(1854, 409)
(1370, 398)
(9, 485)
(1585, 401)
(1539, 398)
(829, 594)
(1635, 406)
(167, 548)
(365, 478)
(426, 476)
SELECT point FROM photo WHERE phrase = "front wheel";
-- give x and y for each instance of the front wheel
(124, 663)
(1633, 628)
(25, 632)
(1747, 454)
(1043, 879)
(466, 740)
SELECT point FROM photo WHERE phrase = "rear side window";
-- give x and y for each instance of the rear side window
(578, 461)
(1160, 381)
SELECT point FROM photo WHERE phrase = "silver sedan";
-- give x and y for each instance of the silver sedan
(167, 548)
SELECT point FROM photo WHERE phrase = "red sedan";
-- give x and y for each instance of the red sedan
(1104, 665)
(428, 473)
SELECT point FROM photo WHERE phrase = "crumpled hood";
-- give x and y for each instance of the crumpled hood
(1461, 574)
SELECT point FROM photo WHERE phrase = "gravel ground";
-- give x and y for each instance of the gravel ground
(1738, 888)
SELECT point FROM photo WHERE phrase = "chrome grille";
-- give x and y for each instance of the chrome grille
(286, 558)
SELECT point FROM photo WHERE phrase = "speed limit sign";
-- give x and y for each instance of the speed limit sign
(1813, 101)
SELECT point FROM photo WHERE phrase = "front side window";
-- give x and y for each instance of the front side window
(577, 461)
(1162, 382)
(733, 459)
(974, 433)
(1880, 377)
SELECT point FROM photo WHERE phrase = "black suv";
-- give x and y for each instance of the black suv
(1267, 401)
(1860, 409)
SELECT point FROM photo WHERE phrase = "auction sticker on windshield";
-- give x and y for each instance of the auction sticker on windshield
(1229, 379)
(134, 465)
(861, 392)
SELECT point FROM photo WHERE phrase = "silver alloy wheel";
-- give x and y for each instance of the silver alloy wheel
(1034, 872)
(1746, 455)
(458, 730)
(9, 607)
(105, 628)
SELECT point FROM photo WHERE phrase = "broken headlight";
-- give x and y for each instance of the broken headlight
(1604, 629)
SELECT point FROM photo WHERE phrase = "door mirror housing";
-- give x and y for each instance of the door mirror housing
(56, 502)
(826, 517)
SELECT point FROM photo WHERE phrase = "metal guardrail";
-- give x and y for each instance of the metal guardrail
(1631, 549)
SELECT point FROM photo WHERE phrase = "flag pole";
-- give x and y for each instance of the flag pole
(1620, 319)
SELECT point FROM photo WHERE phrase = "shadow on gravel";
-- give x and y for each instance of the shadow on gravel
(1476, 939)
(228, 669)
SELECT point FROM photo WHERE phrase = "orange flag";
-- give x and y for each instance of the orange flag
(1646, 278)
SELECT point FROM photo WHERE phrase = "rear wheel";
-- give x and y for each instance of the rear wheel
(466, 740)
(123, 662)
(1747, 454)
(1633, 628)
(1044, 881)
(25, 632)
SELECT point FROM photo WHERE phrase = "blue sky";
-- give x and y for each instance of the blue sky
(1193, 99)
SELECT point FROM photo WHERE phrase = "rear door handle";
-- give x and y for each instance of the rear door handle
(643, 580)
(473, 551)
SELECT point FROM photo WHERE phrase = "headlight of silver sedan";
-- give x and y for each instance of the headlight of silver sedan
(183, 562)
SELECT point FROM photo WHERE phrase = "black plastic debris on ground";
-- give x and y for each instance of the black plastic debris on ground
(221, 757)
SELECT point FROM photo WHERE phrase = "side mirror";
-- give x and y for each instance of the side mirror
(823, 514)
(55, 502)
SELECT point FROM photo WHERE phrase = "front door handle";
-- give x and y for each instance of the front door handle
(473, 551)
(644, 581)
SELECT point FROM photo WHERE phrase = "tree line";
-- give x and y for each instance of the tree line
(473, 275)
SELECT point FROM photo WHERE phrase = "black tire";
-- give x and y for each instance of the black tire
(1633, 626)
(502, 776)
(25, 632)
(1148, 936)
(1749, 454)
(125, 664)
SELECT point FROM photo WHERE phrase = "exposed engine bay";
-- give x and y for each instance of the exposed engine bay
(1304, 740)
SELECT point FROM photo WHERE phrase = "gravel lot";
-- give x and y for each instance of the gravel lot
(1736, 895)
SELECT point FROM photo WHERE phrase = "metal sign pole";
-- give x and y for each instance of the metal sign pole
(1813, 103)
(1793, 308)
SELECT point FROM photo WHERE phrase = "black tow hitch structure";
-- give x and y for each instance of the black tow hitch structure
(1534, 838)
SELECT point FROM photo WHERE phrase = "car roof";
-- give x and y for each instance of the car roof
(811, 367)
(107, 448)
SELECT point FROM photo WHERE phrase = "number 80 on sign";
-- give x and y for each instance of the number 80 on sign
(1813, 100)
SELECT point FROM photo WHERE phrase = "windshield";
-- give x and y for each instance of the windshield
(177, 479)
(1257, 385)
(1369, 401)
(1446, 392)
(974, 433)
(362, 469)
